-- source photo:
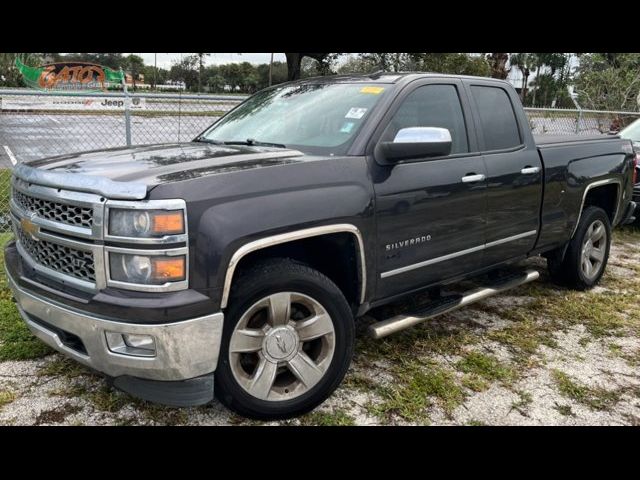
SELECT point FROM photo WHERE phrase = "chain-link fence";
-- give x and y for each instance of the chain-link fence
(557, 121)
(35, 124)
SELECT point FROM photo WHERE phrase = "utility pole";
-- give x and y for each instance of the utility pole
(155, 70)
(271, 70)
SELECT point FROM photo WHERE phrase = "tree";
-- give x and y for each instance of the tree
(111, 60)
(524, 62)
(453, 63)
(10, 76)
(609, 81)
(185, 71)
(157, 74)
(135, 66)
(294, 61)
(201, 57)
(498, 65)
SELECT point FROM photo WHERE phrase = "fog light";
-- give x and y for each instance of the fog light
(132, 344)
(140, 341)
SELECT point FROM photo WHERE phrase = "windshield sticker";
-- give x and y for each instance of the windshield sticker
(356, 113)
(347, 127)
(372, 90)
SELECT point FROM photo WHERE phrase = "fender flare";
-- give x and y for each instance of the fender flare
(290, 237)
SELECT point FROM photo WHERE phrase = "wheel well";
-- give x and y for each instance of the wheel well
(334, 255)
(605, 197)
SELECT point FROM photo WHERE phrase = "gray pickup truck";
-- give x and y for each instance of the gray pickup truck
(236, 263)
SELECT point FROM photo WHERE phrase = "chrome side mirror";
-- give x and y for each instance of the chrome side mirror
(414, 143)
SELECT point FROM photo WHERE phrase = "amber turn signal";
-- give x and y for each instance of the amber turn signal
(169, 269)
(168, 223)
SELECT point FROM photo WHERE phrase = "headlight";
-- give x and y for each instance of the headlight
(147, 269)
(145, 223)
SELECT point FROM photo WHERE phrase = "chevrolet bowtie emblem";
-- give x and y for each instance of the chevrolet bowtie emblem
(29, 227)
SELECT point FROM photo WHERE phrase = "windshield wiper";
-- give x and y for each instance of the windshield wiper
(208, 140)
(251, 141)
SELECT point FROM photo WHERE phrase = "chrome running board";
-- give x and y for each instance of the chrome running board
(448, 304)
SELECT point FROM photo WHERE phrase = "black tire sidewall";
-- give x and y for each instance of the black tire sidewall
(259, 283)
(574, 253)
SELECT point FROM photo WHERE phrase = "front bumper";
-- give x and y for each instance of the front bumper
(184, 349)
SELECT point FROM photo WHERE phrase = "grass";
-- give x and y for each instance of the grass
(6, 397)
(595, 398)
(475, 383)
(564, 410)
(418, 388)
(107, 399)
(476, 423)
(524, 400)
(16, 341)
(56, 415)
(333, 418)
(485, 366)
(63, 366)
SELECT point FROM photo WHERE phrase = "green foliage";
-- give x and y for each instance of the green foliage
(327, 419)
(609, 81)
(6, 397)
(134, 66)
(452, 63)
(9, 75)
(596, 398)
(485, 366)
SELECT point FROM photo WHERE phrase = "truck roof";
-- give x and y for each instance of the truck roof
(388, 77)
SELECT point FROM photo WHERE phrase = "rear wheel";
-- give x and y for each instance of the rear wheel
(586, 257)
(287, 342)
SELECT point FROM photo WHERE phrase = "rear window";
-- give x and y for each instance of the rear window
(499, 124)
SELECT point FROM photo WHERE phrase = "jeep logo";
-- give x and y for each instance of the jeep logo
(112, 103)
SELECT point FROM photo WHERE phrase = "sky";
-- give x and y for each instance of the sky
(166, 59)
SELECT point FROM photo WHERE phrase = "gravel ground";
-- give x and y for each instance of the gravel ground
(541, 355)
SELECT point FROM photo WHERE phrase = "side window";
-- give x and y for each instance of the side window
(431, 106)
(499, 124)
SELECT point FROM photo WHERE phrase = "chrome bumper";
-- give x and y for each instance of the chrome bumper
(184, 349)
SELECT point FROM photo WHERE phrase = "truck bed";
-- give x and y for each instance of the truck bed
(546, 140)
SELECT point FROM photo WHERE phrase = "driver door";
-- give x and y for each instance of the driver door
(431, 212)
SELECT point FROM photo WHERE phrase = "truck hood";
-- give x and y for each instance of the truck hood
(155, 164)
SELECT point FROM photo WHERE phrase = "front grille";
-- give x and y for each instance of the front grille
(76, 263)
(55, 211)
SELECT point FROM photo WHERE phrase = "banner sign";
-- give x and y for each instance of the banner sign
(70, 76)
(70, 103)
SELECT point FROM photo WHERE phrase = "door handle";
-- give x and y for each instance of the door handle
(529, 170)
(472, 178)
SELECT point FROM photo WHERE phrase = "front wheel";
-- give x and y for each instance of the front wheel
(586, 258)
(287, 341)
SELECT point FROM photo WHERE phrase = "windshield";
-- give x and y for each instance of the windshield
(318, 118)
(632, 132)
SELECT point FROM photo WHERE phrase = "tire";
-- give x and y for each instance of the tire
(256, 374)
(585, 246)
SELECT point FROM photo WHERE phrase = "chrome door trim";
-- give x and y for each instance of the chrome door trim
(599, 183)
(290, 237)
(510, 239)
(460, 253)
